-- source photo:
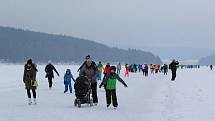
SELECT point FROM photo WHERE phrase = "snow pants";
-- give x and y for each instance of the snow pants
(68, 85)
(173, 74)
(94, 92)
(111, 95)
(50, 82)
(100, 76)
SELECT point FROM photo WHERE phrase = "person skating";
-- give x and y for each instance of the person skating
(29, 78)
(107, 70)
(211, 67)
(126, 70)
(119, 67)
(90, 73)
(100, 68)
(88, 58)
(173, 67)
(140, 67)
(165, 69)
(110, 82)
(68, 77)
(50, 74)
(145, 70)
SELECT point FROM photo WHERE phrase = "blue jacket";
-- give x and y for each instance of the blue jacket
(68, 77)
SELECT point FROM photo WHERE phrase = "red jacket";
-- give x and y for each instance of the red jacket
(107, 69)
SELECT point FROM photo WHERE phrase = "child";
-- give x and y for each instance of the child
(100, 68)
(110, 82)
(67, 80)
(126, 70)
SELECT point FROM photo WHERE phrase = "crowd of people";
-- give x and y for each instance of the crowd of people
(107, 74)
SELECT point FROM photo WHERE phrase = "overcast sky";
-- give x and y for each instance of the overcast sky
(118, 23)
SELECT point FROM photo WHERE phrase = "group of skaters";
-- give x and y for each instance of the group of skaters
(88, 70)
(93, 72)
(146, 68)
(153, 68)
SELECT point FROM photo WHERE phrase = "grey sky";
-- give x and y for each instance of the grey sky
(119, 23)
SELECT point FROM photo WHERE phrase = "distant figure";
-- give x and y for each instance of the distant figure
(119, 67)
(173, 67)
(145, 70)
(68, 77)
(49, 73)
(165, 69)
(29, 78)
(100, 69)
(135, 68)
(211, 67)
(106, 70)
(152, 68)
(140, 67)
(126, 70)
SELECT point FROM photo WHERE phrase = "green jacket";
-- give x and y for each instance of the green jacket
(110, 81)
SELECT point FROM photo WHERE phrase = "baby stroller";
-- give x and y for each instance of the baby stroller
(82, 88)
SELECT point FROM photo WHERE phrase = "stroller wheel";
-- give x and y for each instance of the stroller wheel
(91, 102)
(79, 103)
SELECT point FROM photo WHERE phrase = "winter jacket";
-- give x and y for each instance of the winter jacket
(100, 68)
(107, 69)
(146, 67)
(29, 76)
(89, 72)
(49, 71)
(68, 77)
(119, 67)
(173, 65)
(93, 65)
(110, 81)
(165, 67)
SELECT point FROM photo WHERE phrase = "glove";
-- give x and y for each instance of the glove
(64, 82)
(58, 75)
(126, 85)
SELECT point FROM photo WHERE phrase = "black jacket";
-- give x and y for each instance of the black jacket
(173, 65)
(49, 71)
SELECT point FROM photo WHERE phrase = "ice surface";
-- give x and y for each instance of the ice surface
(156, 98)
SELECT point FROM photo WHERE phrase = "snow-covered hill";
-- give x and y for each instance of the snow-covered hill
(156, 98)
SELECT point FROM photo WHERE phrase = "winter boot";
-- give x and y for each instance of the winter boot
(29, 101)
(35, 101)
(108, 105)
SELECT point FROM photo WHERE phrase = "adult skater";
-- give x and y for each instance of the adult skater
(173, 67)
(87, 58)
(100, 69)
(119, 67)
(90, 72)
(145, 70)
(140, 67)
(29, 78)
(107, 69)
(211, 67)
(165, 69)
(49, 73)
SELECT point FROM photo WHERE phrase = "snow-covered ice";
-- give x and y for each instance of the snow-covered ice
(156, 98)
